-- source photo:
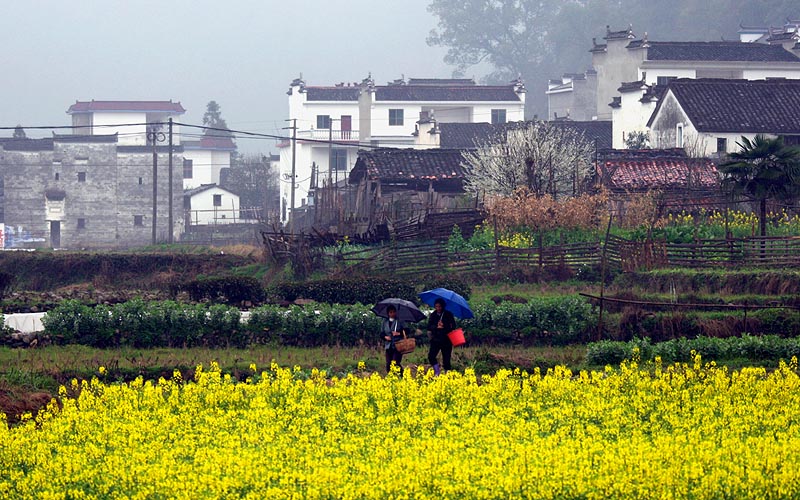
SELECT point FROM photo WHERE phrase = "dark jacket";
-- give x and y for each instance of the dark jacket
(393, 329)
(449, 322)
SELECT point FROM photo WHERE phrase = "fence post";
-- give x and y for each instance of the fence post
(603, 280)
(541, 257)
(496, 243)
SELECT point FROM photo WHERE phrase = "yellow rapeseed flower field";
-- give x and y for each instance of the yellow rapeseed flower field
(679, 431)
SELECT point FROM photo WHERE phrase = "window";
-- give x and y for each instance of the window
(339, 159)
(217, 200)
(187, 169)
(498, 116)
(722, 145)
(324, 121)
(679, 136)
(138, 220)
(81, 176)
(140, 181)
(396, 117)
(81, 223)
(664, 80)
(58, 176)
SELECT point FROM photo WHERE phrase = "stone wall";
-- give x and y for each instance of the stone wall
(88, 189)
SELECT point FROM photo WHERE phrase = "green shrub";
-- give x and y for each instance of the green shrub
(753, 348)
(231, 290)
(365, 290)
(548, 320)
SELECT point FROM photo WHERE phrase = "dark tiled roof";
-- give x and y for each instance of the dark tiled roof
(632, 86)
(10, 144)
(739, 106)
(653, 93)
(719, 51)
(618, 35)
(203, 187)
(211, 142)
(470, 135)
(389, 164)
(616, 102)
(464, 135)
(627, 170)
(446, 93)
(441, 81)
(782, 36)
(127, 106)
(592, 130)
(332, 93)
(86, 139)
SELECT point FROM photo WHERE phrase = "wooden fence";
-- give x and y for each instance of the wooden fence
(434, 257)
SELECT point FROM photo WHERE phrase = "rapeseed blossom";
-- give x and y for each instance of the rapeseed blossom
(677, 431)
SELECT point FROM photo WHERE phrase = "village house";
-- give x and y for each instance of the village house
(211, 204)
(84, 191)
(573, 96)
(681, 182)
(631, 73)
(128, 119)
(709, 116)
(204, 159)
(355, 114)
(400, 184)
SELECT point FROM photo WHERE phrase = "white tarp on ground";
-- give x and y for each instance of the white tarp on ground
(25, 322)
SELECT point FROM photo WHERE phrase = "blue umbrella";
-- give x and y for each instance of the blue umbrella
(453, 302)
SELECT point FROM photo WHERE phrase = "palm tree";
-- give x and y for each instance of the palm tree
(763, 169)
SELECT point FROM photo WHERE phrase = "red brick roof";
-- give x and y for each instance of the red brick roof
(631, 170)
(127, 107)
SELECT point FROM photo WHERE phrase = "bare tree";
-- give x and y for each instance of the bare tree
(543, 157)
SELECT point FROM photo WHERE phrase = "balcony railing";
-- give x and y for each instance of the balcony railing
(324, 134)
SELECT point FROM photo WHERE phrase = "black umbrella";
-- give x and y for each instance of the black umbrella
(406, 310)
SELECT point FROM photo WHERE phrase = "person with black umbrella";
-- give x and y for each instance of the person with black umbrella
(392, 330)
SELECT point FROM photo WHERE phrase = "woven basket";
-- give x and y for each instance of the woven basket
(405, 345)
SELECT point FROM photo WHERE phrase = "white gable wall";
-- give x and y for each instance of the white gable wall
(204, 212)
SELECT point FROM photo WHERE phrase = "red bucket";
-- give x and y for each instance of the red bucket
(457, 337)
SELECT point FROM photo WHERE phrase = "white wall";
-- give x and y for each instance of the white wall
(654, 73)
(128, 136)
(201, 168)
(762, 74)
(204, 212)
(632, 116)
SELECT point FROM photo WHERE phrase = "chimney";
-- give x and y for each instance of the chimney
(427, 133)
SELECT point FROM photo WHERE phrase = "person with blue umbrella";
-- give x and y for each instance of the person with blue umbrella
(446, 305)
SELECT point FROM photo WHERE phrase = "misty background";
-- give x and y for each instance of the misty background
(244, 53)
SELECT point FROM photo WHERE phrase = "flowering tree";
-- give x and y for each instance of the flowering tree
(543, 157)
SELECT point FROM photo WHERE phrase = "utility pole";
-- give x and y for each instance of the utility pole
(171, 228)
(154, 136)
(293, 128)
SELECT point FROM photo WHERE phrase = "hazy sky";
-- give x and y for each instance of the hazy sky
(241, 53)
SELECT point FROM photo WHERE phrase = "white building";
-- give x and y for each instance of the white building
(354, 114)
(708, 117)
(210, 204)
(204, 159)
(632, 73)
(129, 119)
